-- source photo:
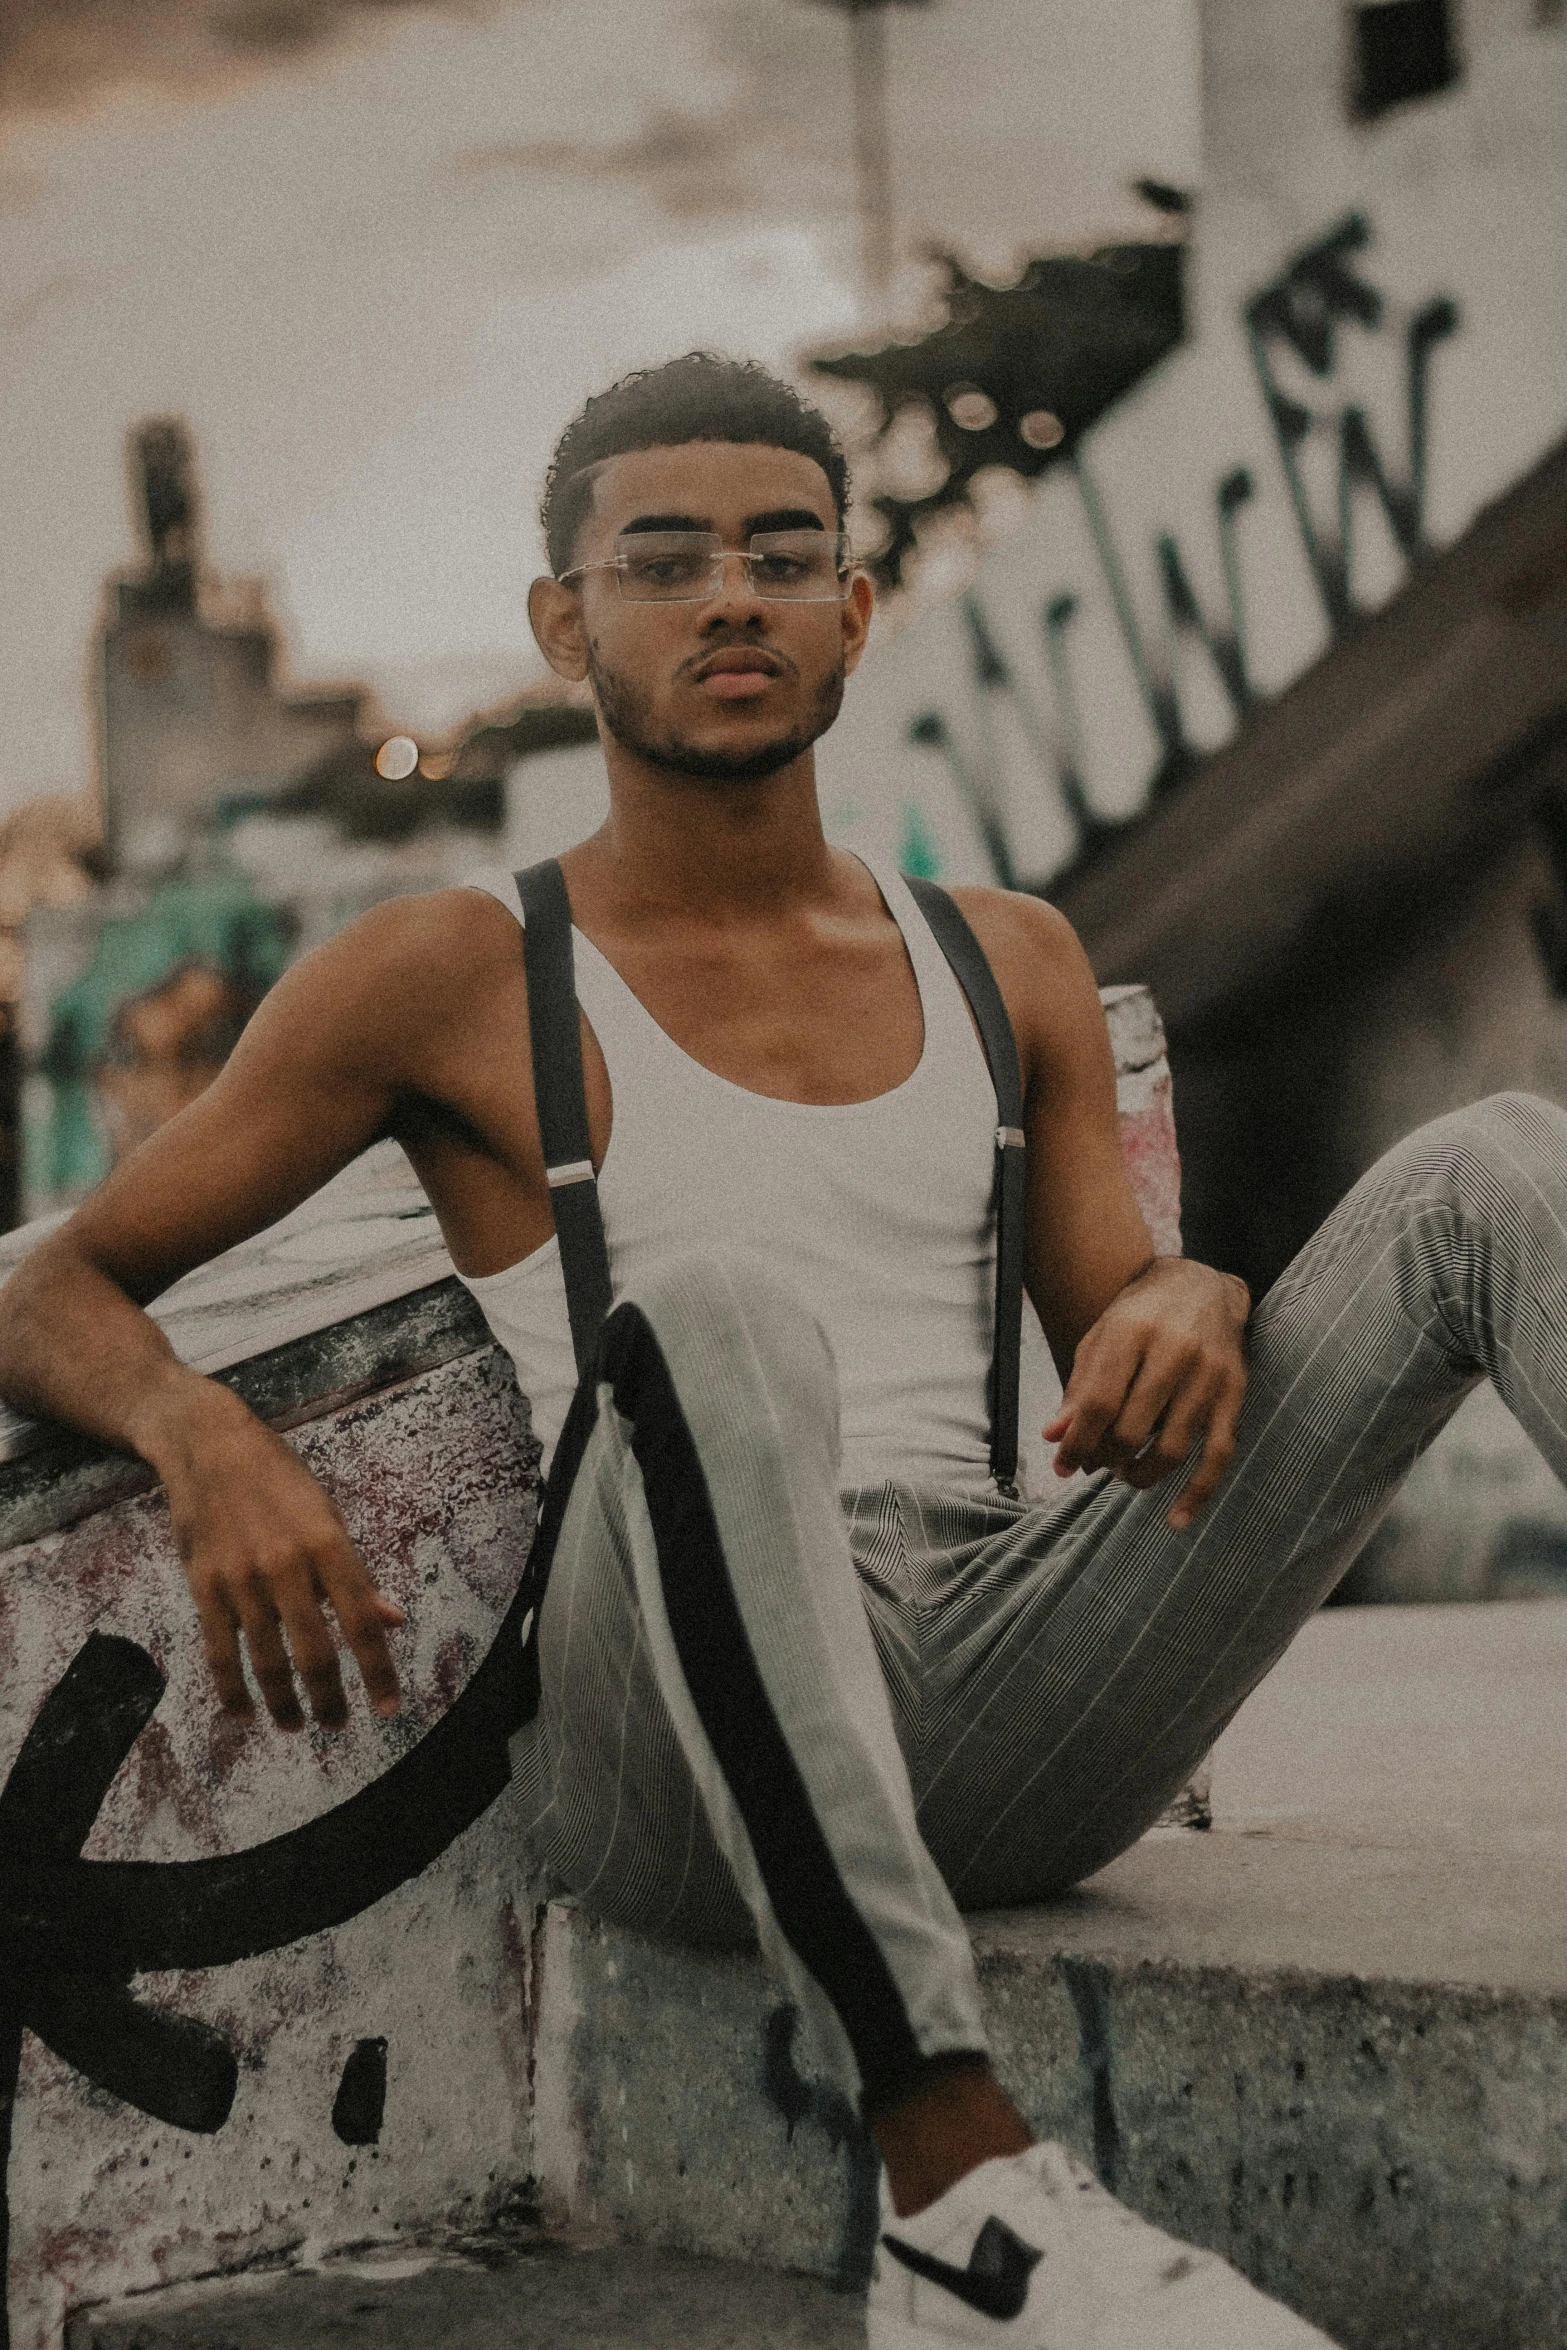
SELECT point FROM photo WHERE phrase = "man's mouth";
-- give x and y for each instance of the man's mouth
(738, 673)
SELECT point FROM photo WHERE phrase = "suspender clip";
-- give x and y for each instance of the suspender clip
(1009, 1138)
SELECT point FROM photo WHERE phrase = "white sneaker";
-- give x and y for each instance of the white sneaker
(1029, 2252)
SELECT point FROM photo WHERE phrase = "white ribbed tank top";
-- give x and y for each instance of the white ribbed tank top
(877, 1213)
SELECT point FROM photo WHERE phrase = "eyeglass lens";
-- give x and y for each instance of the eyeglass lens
(681, 566)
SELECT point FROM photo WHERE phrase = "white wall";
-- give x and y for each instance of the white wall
(1466, 196)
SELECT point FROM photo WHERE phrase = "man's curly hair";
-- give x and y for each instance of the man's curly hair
(701, 397)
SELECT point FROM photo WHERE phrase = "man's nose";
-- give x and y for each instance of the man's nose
(731, 586)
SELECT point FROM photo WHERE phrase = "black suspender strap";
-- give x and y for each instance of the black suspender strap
(563, 1128)
(974, 975)
(562, 1107)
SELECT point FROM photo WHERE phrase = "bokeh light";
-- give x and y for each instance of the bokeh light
(970, 408)
(397, 757)
(1042, 429)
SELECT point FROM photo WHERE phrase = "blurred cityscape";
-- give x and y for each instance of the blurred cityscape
(1223, 544)
(239, 823)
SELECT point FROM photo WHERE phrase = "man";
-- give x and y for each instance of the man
(805, 1668)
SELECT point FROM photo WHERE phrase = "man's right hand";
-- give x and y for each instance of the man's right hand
(266, 1555)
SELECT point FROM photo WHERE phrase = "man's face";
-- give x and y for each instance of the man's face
(728, 688)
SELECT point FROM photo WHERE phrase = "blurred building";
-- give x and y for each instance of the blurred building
(1353, 908)
(191, 711)
(243, 822)
(49, 851)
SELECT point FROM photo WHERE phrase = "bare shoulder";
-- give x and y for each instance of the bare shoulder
(1010, 921)
(445, 936)
(1031, 947)
(425, 950)
(1043, 974)
(389, 995)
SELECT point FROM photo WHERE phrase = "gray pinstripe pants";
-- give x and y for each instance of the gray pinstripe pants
(918, 1700)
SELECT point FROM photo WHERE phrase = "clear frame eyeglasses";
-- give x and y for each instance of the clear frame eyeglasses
(687, 566)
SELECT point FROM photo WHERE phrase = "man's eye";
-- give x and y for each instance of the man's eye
(667, 567)
(777, 569)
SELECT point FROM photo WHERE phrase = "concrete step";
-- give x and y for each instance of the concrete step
(1327, 2038)
(548, 2297)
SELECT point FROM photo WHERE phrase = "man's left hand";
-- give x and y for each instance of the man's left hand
(1162, 1372)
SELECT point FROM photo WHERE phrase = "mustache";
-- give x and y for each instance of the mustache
(626, 712)
(737, 644)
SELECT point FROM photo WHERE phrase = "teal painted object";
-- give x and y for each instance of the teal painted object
(75, 1153)
(215, 922)
(918, 853)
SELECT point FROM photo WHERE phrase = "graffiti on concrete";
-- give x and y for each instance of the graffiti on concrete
(359, 2108)
(1304, 311)
(818, 2103)
(1294, 323)
(1087, 1986)
(74, 1933)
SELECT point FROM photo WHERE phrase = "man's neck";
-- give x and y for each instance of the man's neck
(677, 845)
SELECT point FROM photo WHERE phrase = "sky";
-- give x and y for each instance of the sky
(378, 273)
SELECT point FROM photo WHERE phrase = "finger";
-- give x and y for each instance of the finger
(1088, 1443)
(1189, 1420)
(268, 1657)
(1132, 1459)
(1094, 1396)
(1181, 1428)
(1217, 1454)
(1152, 1396)
(364, 1616)
(220, 1641)
(313, 1649)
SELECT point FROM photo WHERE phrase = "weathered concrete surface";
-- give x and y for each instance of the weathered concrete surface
(1329, 2038)
(435, 1483)
(608, 2298)
(1147, 1111)
(351, 1291)
(367, 1236)
(60, 1477)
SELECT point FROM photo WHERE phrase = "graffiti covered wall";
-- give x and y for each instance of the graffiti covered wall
(1377, 347)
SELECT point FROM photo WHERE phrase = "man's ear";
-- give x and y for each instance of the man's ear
(555, 617)
(858, 605)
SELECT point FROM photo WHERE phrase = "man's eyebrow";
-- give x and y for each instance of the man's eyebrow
(775, 518)
(663, 522)
(784, 518)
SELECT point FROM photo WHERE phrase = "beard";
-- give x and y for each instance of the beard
(627, 713)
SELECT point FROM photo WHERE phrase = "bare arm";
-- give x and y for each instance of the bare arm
(319, 1073)
(1149, 1348)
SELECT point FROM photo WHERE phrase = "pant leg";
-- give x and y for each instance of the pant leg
(1087, 1665)
(714, 1741)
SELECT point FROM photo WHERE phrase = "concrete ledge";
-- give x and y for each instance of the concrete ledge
(56, 1477)
(599, 2299)
(369, 2081)
(1328, 2039)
